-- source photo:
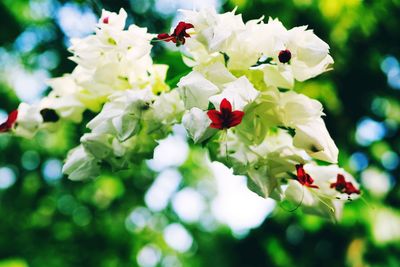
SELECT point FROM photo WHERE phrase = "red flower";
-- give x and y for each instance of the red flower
(344, 187)
(304, 178)
(9, 123)
(225, 118)
(179, 34)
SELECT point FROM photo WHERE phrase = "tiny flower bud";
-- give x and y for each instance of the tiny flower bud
(284, 56)
(49, 115)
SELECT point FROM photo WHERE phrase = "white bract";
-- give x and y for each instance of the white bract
(29, 120)
(81, 165)
(240, 93)
(196, 89)
(212, 29)
(197, 124)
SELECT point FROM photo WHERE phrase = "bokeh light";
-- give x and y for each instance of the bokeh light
(177, 237)
(7, 177)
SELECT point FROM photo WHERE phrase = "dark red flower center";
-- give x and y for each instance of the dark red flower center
(105, 20)
(225, 118)
(342, 186)
(304, 178)
(179, 34)
(284, 56)
(9, 123)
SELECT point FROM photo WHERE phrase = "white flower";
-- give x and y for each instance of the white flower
(212, 29)
(158, 74)
(121, 116)
(114, 59)
(303, 114)
(294, 108)
(254, 43)
(67, 107)
(195, 90)
(325, 199)
(239, 93)
(310, 55)
(277, 76)
(265, 164)
(198, 55)
(81, 165)
(111, 20)
(88, 51)
(102, 146)
(296, 54)
(326, 177)
(310, 202)
(197, 124)
(217, 73)
(168, 107)
(64, 98)
(28, 121)
(314, 138)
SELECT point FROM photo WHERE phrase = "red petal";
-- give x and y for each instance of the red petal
(215, 116)
(309, 179)
(165, 37)
(12, 117)
(312, 185)
(217, 126)
(340, 179)
(225, 106)
(304, 178)
(350, 189)
(236, 118)
(3, 128)
(300, 170)
(188, 26)
(180, 28)
(9, 123)
(340, 182)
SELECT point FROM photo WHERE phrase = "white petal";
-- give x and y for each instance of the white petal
(239, 93)
(80, 165)
(195, 90)
(314, 138)
(197, 124)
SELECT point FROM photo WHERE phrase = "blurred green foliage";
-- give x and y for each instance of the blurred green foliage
(48, 221)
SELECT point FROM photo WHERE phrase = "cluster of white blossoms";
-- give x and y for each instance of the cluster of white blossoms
(238, 101)
(115, 77)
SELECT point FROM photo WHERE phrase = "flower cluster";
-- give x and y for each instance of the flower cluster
(238, 101)
(116, 78)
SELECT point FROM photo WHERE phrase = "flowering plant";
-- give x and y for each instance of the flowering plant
(238, 101)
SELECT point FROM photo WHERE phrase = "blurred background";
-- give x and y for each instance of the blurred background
(182, 210)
